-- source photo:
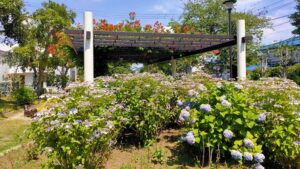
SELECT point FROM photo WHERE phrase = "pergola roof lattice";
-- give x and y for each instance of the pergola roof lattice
(167, 44)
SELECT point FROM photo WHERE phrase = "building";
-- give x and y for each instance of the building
(270, 59)
(27, 75)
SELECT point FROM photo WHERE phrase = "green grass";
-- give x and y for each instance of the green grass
(12, 133)
(7, 105)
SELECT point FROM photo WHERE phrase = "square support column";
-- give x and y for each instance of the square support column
(88, 47)
(241, 49)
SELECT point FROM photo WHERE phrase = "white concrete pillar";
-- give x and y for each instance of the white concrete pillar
(88, 47)
(241, 49)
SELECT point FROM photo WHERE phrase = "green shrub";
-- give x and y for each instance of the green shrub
(255, 74)
(148, 106)
(220, 117)
(76, 130)
(24, 95)
(294, 73)
(274, 72)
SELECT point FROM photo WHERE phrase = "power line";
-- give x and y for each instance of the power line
(269, 5)
(272, 19)
(282, 24)
(266, 10)
(280, 31)
(286, 4)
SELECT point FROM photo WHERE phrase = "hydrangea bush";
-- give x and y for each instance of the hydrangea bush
(222, 120)
(78, 129)
(248, 121)
(147, 102)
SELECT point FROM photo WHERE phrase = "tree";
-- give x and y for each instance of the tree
(295, 17)
(33, 53)
(12, 19)
(210, 17)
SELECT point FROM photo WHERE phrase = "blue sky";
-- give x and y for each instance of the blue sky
(163, 10)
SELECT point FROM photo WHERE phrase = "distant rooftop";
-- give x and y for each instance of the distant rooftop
(294, 41)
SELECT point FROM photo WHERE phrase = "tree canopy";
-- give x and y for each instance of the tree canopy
(295, 17)
(12, 19)
(34, 52)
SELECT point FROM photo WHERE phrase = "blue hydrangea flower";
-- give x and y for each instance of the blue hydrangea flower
(248, 143)
(225, 103)
(61, 114)
(205, 108)
(190, 138)
(248, 156)
(259, 158)
(297, 143)
(184, 115)
(227, 134)
(258, 166)
(96, 134)
(77, 122)
(73, 111)
(193, 120)
(110, 124)
(49, 149)
(222, 98)
(191, 93)
(236, 155)
(202, 88)
(262, 117)
(238, 86)
(179, 103)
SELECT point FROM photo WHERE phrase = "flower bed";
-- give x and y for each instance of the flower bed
(248, 122)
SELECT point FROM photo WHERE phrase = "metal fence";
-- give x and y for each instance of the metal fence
(5, 88)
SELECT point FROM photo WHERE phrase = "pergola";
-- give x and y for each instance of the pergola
(135, 46)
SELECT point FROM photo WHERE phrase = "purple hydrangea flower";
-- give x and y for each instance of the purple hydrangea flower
(191, 93)
(190, 138)
(73, 111)
(258, 166)
(49, 149)
(61, 114)
(236, 155)
(109, 124)
(297, 143)
(77, 122)
(222, 98)
(225, 103)
(202, 88)
(262, 117)
(248, 156)
(96, 134)
(179, 103)
(259, 158)
(193, 120)
(248, 143)
(205, 108)
(227, 134)
(238, 86)
(184, 115)
(86, 123)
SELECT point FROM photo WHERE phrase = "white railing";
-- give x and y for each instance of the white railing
(5, 88)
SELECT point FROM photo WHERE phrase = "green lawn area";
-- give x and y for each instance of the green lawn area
(7, 107)
(12, 133)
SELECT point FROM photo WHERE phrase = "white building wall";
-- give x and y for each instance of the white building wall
(28, 79)
(4, 68)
